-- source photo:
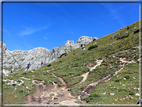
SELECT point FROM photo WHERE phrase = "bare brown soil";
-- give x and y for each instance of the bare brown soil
(89, 64)
(52, 94)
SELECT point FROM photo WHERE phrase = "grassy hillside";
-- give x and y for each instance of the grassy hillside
(72, 65)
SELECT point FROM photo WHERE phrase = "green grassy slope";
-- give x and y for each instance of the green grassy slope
(124, 90)
(73, 64)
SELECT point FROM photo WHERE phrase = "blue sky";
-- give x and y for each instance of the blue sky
(31, 25)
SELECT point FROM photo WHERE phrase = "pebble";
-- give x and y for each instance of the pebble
(124, 78)
(104, 93)
(137, 94)
(123, 85)
(112, 93)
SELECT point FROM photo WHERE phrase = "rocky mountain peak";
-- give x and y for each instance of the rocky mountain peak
(39, 50)
(69, 43)
(4, 46)
(85, 40)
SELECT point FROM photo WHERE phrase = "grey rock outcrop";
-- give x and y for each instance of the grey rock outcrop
(84, 40)
(69, 43)
(2, 45)
(38, 57)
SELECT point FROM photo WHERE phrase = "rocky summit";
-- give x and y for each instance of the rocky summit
(37, 57)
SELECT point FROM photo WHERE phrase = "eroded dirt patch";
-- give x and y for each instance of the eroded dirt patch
(52, 94)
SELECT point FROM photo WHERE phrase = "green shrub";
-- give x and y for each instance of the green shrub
(124, 36)
(22, 59)
(59, 85)
(127, 76)
(14, 84)
(121, 90)
(93, 97)
(48, 65)
(131, 93)
(64, 54)
(69, 89)
(93, 46)
(60, 61)
(127, 27)
(117, 80)
(99, 58)
(136, 31)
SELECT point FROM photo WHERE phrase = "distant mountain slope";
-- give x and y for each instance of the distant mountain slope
(37, 57)
(106, 72)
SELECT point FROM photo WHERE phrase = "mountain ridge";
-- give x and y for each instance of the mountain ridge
(38, 57)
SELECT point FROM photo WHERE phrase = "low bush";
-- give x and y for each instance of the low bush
(64, 54)
(136, 31)
(127, 77)
(124, 36)
(122, 90)
(48, 65)
(93, 46)
(59, 85)
(131, 93)
(117, 80)
(93, 97)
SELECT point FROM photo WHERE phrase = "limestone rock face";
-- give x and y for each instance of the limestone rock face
(58, 51)
(21, 59)
(69, 43)
(4, 46)
(85, 40)
(38, 51)
(38, 57)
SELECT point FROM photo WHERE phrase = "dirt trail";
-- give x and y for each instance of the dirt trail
(85, 75)
(70, 99)
(124, 60)
(98, 64)
(61, 80)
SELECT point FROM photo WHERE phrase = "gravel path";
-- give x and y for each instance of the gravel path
(85, 75)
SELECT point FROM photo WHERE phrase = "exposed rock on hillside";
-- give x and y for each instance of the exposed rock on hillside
(4, 46)
(69, 43)
(85, 40)
(38, 51)
(58, 51)
(39, 57)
